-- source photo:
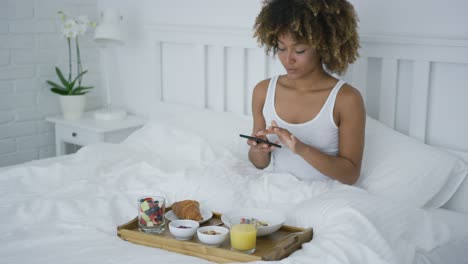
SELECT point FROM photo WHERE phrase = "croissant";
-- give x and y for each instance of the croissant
(187, 209)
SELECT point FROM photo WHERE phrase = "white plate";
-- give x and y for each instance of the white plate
(273, 218)
(206, 215)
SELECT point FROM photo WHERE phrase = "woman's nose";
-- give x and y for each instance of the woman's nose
(290, 58)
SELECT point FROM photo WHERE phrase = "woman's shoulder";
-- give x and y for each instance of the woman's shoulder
(261, 88)
(349, 96)
(263, 84)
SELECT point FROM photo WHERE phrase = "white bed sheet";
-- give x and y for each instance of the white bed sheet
(455, 250)
(67, 211)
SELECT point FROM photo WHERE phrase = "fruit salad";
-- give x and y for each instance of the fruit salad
(151, 213)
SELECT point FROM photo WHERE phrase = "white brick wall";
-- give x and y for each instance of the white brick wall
(30, 47)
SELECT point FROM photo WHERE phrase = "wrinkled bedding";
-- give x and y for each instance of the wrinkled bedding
(67, 210)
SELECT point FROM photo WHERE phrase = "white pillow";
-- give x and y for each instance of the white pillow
(403, 169)
(459, 201)
(221, 128)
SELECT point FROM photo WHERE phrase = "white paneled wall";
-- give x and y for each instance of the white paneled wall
(30, 48)
(420, 85)
(218, 73)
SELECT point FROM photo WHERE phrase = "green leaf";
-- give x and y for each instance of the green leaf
(62, 79)
(59, 91)
(68, 88)
(87, 87)
(77, 77)
(54, 85)
(82, 89)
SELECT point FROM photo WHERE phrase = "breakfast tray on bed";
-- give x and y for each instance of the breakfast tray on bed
(275, 246)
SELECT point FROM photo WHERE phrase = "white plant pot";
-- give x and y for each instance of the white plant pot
(72, 106)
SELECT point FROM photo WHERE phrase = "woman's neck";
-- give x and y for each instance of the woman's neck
(317, 80)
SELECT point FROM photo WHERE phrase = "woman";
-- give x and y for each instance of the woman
(319, 120)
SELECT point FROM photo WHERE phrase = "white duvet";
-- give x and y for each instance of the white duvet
(67, 211)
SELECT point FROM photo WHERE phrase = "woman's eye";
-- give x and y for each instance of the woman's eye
(281, 49)
(300, 51)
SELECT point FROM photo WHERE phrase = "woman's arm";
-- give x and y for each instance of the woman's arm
(259, 153)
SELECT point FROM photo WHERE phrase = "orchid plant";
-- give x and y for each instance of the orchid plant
(71, 29)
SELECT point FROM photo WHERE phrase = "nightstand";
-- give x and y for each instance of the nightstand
(88, 130)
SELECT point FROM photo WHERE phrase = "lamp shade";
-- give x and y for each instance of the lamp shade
(108, 31)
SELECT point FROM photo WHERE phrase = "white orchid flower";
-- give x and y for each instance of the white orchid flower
(81, 28)
(74, 27)
(69, 23)
(69, 29)
(69, 32)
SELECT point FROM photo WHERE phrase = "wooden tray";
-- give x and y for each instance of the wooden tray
(275, 246)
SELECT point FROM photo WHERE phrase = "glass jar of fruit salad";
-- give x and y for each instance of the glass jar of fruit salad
(151, 214)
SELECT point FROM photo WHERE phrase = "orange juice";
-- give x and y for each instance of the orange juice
(243, 237)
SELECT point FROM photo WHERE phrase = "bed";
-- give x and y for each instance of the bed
(410, 204)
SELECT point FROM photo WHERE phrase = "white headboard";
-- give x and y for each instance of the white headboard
(417, 86)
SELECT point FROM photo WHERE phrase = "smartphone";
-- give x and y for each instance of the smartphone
(259, 140)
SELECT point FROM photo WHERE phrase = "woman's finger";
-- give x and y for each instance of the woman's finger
(282, 132)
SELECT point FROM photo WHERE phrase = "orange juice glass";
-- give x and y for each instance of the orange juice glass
(244, 237)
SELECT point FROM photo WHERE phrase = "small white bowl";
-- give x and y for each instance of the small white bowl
(212, 239)
(183, 229)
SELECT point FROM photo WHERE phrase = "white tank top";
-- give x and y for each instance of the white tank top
(321, 132)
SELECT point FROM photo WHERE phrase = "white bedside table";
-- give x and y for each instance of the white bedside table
(87, 130)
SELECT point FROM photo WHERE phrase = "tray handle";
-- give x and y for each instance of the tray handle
(290, 244)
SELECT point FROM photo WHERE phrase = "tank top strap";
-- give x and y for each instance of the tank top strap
(330, 102)
(270, 97)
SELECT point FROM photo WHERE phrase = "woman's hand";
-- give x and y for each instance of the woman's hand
(284, 136)
(259, 146)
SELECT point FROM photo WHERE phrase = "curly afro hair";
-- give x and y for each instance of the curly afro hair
(329, 26)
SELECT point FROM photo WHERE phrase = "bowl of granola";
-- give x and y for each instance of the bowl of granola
(267, 221)
(212, 235)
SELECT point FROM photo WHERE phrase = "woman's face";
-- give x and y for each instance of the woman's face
(298, 59)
